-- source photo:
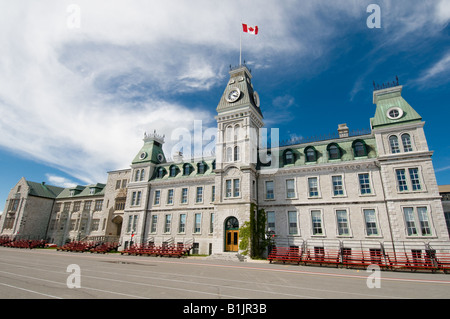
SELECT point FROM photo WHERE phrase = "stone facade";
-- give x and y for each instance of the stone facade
(371, 188)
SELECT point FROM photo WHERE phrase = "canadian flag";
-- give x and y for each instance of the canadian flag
(249, 29)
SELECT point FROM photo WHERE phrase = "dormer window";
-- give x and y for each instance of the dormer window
(359, 148)
(187, 169)
(333, 151)
(310, 154)
(160, 172)
(406, 141)
(288, 157)
(201, 168)
(92, 191)
(173, 171)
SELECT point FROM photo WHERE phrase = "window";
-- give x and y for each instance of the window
(359, 148)
(406, 141)
(76, 206)
(154, 223)
(342, 222)
(393, 142)
(269, 190)
(371, 222)
(316, 217)
(213, 193)
(142, 175)
(157, 197)
(313, 188)
(229, 154)
(160, 172)
(182, 225)
(290, 188)
(199, 197)
(236, 154)
(236, 188)
(184, 195)
(409, 221)
(136, 198)
(167, 223)
(95, 224)
(412, 215)
(292, 220)
(338, 188)
(98, 205)
(288, 157)
(271, 221)
(211, 223)
(401, 180)
(87, 205)
(186, 169)
(201, 168)
(364, 184)
(170, 196)
(310, 154)
(197, 222)
(132, 223)
(333, 151)
(173, 171)
(118, 184)
(228, 188)
(136, 176)
(414, 176)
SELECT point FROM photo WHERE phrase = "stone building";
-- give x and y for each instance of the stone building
(375, 188)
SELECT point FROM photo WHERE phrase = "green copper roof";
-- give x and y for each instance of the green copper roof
(239, 78)
(151, 151)
(44, 190)
(83, 191)
(391, 98)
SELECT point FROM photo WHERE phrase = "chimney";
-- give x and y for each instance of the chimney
(343, 130)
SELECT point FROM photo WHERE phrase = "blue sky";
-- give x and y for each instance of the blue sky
(83, 80)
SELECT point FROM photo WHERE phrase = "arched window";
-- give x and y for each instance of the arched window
(173, 171)
(229, 154)
(333, 151)
(142, 174)
(406, 141)
(310, 154)
(393, 142)
(236, 153)
(237, 132)
(214, 164)
(136, 176)
(288, 157)
(359, 148)
(160, 172)
(201, 168)
(229, 133)
(186, 169)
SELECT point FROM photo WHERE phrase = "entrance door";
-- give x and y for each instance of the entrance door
(232, 234)
(232, 240)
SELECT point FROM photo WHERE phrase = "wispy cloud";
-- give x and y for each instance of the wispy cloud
(60, 181)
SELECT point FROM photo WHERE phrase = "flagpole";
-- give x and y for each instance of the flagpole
(240, 48)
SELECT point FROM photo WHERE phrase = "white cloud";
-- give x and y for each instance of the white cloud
(80, 98)
(60, 181)
(439, 69)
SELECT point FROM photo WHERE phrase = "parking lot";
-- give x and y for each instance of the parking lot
(49, 274)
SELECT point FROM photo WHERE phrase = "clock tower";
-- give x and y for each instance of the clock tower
(239, 119)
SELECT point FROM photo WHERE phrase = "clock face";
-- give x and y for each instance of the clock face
(256, 98)
(233, 95)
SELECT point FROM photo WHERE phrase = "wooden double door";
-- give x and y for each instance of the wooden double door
(232, 240)
(232, 234)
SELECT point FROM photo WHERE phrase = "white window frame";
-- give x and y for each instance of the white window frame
(322, 226)
(297, 223)
(347, 210)
(294, 189)
(265, 190)
(417, 221)
(344, 193)
(319, 195)
(377, 221)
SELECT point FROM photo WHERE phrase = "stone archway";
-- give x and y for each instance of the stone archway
(118, 222)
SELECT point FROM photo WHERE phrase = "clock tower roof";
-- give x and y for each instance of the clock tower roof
(239, 92)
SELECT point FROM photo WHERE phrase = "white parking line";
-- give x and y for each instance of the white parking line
(28, 290)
